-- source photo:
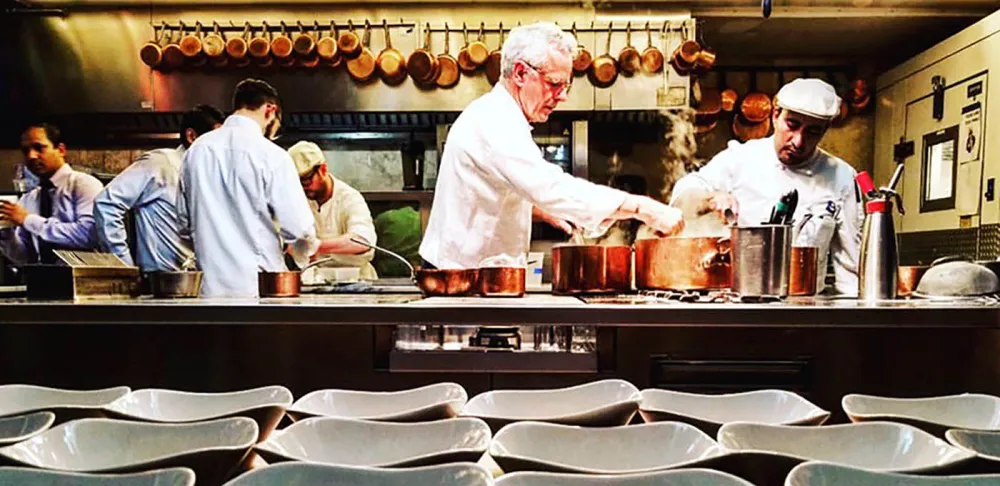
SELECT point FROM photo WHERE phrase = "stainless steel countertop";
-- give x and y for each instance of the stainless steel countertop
(391, 309)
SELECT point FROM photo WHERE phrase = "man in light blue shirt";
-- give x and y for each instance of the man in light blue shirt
(150, 187)
(58, 214)
(242, 200)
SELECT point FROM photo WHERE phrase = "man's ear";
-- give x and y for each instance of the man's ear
(61, 148)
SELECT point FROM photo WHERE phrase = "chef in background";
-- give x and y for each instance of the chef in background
(59, 213)
(340, 211)
(241, 199)
(750, 178)
(492, 173)
(150, 187)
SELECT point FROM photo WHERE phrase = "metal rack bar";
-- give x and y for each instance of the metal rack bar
(637, 26)
(291, 27)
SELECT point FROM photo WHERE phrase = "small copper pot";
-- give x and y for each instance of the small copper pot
(908, 278)
(683, 263)
(448, 282)
(591, 269)
(803, 266)
(501, 281)
(280, 284)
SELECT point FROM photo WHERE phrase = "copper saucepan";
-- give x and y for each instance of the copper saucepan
(435, 282)
(591, 269)
(151, 53)
(284, 284)
(683, 263)
(501, 281)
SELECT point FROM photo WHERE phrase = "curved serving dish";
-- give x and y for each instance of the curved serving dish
(826, 474)
(346, 442)
(66, 404)
(679, 477)
(709, 412)
(601, 403)
(22, 476)
(311, 474)
(934, 415)
(21, 427)
(538, 446)
(432, 402)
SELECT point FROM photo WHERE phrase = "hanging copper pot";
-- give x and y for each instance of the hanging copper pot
(338, 57)
(703, 64)
(478, 51)
(422, 64)
(151, 53)
(604, 70)
(683, 263)
(707, 112)
(756, 107)
(652, 57)
(326, 46)
(191, 43)
(448, 71)
(582, 58)
(465, 62)
(729, 97)
(391, 63)
(281, 47)
(173, 58)
(237, 47)
(493, 63)
(214, 44)
(628, 58)
(362, 67)
(312, 59)
(304, 44)
(260, 46)
(745, 130)
(349, 43)
(685, 55)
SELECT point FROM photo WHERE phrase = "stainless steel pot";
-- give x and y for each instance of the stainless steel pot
(173, 285)
(761, 257)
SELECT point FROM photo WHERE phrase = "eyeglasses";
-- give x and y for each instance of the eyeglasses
(308, 177)
(557, 87)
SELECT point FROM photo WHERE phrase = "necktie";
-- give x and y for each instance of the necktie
(45, 253)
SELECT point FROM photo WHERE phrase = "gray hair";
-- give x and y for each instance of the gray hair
(533, 44)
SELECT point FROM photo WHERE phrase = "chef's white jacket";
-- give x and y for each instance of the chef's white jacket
(491, 173)
(752, 173)
(240, 195)
(346, 212)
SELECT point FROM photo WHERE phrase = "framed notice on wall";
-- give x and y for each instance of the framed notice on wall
(938, 170)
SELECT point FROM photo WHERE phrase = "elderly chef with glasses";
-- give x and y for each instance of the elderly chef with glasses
(750, 178)
(492, 174)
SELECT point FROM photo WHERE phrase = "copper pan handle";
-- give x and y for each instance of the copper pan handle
(413, 272)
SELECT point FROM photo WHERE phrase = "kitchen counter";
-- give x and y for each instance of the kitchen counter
(390, 309)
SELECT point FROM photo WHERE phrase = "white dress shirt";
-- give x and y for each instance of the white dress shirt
(240, 195)
(346, 212)
(491, 174)
(752, 173)
(71, 225)
(149, 186)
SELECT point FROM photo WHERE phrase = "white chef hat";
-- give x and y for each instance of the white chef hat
(811, 97)
(307, 156)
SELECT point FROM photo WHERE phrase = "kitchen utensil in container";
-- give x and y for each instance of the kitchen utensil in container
(629, 60)
(591, 269)
(582, 58)
(802, 269)
(879, 263)
(683, 263)
(391, 63)
(761, 257)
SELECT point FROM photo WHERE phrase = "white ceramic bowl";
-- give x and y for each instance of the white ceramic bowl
(66, 404)
(264, 405)
(21, 476)
(312, 474)
(935, 415)
(764, 454)
(680, 477)
(985, 445)
(432, 402)
(601, 403)
(709, 412)
(347, 442)
(21, 427)
(826, 474)
(538, 446)
(212, 449)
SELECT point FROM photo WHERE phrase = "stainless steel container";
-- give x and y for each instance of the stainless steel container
(761, 260)
(879, 265)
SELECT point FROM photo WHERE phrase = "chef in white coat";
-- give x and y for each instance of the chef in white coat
(492, 173)
(750, 178)
(340, 211)
(241, 198)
